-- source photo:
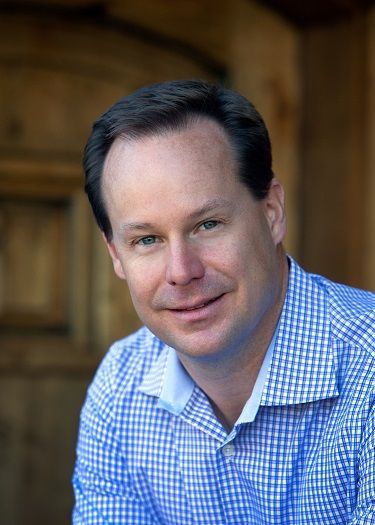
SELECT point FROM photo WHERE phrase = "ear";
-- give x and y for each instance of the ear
(274, 209)
(117, 266)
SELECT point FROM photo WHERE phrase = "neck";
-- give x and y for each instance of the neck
(228, 380)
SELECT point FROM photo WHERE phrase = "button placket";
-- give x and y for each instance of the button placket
(228, 450)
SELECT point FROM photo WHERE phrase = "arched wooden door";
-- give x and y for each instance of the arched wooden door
(59, 304)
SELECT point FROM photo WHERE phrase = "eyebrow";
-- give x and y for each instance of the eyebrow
(134, 226)
(211, 205)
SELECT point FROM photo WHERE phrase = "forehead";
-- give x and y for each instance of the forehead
(177, 169)
(202, 141)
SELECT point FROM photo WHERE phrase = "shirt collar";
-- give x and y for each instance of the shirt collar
(169, 381)
(177, 385)
(303, 366)
(251, 407)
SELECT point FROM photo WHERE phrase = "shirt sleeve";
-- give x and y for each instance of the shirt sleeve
(103, 488)
(364, 513)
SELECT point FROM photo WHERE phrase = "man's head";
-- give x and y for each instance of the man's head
(169, 106)
(193, 218)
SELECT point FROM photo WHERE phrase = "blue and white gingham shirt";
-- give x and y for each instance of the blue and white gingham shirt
(151, 450)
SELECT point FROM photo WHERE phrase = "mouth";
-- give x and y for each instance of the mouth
(198, 306)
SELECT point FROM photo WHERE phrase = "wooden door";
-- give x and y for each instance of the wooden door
(60, 304)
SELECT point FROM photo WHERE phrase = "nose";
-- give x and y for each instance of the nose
(183, 265)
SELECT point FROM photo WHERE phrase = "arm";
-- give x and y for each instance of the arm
(364, 512)
(103, 487)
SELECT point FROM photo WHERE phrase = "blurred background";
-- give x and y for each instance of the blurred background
(309, 67)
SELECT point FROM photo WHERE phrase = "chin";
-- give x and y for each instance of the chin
(198, 347)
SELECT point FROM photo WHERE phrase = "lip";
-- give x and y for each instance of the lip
(198, 311)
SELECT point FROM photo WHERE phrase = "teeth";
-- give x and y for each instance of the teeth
(196, 307)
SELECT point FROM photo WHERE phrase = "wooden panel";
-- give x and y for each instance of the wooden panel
(334, 151)
(12, 430)
(35, 176)
(45, 256)
(319, 11)
(33, 256)
(38, 429)
(200, 24)
(45, 110)
(61, 75)
(369, 193)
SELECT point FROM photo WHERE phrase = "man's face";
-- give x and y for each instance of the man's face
(201, 256)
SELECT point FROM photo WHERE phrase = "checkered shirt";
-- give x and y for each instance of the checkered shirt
(151, 451)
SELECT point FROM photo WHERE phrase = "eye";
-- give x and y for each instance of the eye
(209, 225)
(147, 241)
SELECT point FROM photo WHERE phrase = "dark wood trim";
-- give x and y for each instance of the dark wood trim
(96, 15)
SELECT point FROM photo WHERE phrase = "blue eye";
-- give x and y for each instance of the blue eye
(147, 241)
(209, 225)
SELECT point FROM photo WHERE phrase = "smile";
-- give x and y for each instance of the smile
(198, 306)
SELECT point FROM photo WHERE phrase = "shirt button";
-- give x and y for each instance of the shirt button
(228, 450)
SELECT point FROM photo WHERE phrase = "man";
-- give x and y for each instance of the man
(248, 398)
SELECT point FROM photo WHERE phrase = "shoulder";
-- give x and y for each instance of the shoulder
(341, 312)
(123, 368)
(351, 311)
(351, 302)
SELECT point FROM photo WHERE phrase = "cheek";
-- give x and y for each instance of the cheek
(253, 264)
(143, 281)
(140, 286)
(223, 256)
